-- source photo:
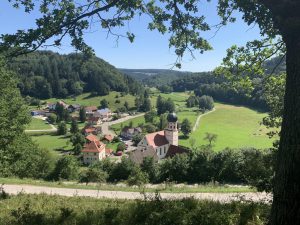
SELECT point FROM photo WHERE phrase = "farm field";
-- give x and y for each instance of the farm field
(87, 100)
(38, 124)
(236, 127)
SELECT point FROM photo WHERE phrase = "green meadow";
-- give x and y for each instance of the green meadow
(38, 124)
(236, 127)
(53, 142)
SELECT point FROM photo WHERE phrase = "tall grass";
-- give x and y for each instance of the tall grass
(44, 209)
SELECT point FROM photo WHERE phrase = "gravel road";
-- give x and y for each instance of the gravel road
(222, 197)
(196, 125)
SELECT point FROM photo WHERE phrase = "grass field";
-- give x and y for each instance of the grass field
(87, 100)
(38, 124)
(235, 126)
(53, 142)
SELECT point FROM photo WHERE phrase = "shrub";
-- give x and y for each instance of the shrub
(66, 168)
(206, 102)
(137, 177)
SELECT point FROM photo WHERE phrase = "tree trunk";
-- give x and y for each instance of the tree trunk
(286, 201)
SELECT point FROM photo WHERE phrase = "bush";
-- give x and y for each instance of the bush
(121, 147)
(122, 170)
(206, 103)
(136, 139)
(52, 118)
(92, 175)
(62, 128)
(137, 177)
(66, 168)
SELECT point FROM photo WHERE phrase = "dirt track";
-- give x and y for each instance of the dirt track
(222, 197)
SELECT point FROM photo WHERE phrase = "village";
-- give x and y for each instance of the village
(97, 133)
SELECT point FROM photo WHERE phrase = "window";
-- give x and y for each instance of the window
(165, 150)
(160, 151)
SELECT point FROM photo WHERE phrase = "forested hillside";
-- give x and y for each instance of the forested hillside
(154, 77)
(217, 86)
(45, 74)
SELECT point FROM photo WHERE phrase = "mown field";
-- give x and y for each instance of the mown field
(46, 210)
(38, 124)
(53, 142)
(236, 127)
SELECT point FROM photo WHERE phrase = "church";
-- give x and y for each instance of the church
(161, 144)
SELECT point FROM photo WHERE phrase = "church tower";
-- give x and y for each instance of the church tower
(171, 131)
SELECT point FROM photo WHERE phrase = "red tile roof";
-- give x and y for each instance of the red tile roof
(93, 147)
(92, 137)
(156, 139)
(91, 108)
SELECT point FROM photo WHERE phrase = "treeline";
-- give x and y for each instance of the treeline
(45, 74)
(243, 166)
(207, 83)
(154, 77)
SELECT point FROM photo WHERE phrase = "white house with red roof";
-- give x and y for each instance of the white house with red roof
(161, 141)
(94, 150)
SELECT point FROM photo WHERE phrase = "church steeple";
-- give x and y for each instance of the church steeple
(171, 131)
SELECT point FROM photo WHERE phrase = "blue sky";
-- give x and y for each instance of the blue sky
(150, 49)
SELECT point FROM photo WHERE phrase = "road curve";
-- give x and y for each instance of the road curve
(221, 197)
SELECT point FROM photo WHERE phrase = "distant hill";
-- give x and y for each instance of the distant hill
(275, 65)
(45, 74)
(154, 77)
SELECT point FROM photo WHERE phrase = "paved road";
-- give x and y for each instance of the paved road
(222, 197)
(199, 117)
(105, 126)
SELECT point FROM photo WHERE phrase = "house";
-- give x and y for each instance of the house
(38, 113)
(94, 150)
(90, 130)
(94, 121)
(73, 108)
(52, 106)
(108, 137)
(128, 132)
(163, 143)
(104, 114)
(90, 110)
